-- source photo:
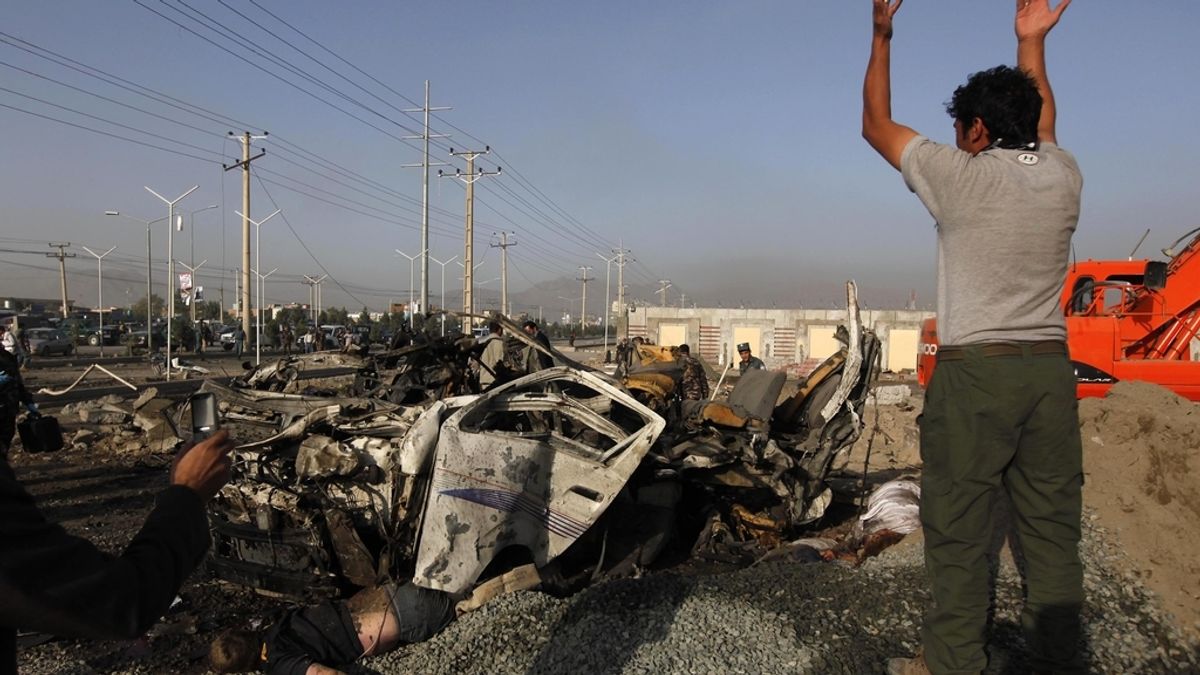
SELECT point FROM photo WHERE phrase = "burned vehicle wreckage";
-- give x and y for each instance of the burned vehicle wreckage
(409, 474)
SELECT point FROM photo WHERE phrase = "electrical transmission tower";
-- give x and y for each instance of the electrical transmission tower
(503, 246)
(583, 269)
(664, 284)
(469, 179)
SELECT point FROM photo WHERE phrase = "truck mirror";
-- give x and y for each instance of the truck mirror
(1156, 275)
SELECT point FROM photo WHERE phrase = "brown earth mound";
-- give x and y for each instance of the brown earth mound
(1141, 455)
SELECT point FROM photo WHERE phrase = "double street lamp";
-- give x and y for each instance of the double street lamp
(100, 289)
(443, 264)
(258, 268)
(171, 262)
(412, 314)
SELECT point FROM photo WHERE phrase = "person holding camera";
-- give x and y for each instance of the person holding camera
(59, 583)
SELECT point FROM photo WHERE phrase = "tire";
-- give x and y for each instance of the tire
(69, 351)
(44, 351)
(227, 348)
(94, 340)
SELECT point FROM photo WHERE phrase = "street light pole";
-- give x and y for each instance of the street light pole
(192, 247)
(411, 265)
(147, 223)
(171, 262)
(443, 264)
(257, 267)
(258, 331)
(193, 271)
(100, 289)
(607, 301)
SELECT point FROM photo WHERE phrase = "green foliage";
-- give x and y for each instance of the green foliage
(208, 310)
(157, 308)
(183, 334)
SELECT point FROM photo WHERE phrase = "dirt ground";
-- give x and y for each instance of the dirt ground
(1141, 456)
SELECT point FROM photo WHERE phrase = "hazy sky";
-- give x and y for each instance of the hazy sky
(717, 140)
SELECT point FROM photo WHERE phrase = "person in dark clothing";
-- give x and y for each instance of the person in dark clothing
(57, 583)
(313, 640)
(13, 395)
(534, 359)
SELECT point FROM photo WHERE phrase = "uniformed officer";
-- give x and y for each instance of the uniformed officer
(748, 360)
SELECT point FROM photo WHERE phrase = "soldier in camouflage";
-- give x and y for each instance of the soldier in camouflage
(694, 386)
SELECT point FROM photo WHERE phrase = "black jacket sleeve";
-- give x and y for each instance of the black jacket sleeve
(54, 582)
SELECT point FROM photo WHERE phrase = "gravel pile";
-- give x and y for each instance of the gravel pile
(782, 618)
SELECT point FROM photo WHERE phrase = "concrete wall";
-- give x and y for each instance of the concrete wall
(792, 339)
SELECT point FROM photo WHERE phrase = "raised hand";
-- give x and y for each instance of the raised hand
(1034, 17)
(882, 16)
(204, 467)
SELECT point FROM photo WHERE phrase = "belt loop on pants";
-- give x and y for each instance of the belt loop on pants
(1001, 349)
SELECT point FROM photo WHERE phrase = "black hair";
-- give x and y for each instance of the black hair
(494, 327)
(1006, 99)
(685, 348)
(529, 324)
(236, 651)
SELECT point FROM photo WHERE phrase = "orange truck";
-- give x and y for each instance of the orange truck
(1126, 320)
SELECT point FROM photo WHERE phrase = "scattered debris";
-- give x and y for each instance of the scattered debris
(402, 469)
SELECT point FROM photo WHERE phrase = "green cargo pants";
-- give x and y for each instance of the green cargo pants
(1011, 422)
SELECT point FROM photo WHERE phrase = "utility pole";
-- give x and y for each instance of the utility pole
(100, 289)
(682, 300)
(664, 284)
(62, 271)
(583, 270)
(469, 179)
(503, 246)
(424, 166)
(467, 275)
(246, 139)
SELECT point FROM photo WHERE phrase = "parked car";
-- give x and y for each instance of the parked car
(48, 341)
(111, 335)
(137, 339)
(228, 338)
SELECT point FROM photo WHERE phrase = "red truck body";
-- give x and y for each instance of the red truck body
(1126, 320)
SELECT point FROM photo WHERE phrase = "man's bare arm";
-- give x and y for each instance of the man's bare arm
(1034, 21)
(878, 128)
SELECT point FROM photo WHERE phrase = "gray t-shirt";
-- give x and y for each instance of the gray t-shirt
(1004, 220)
